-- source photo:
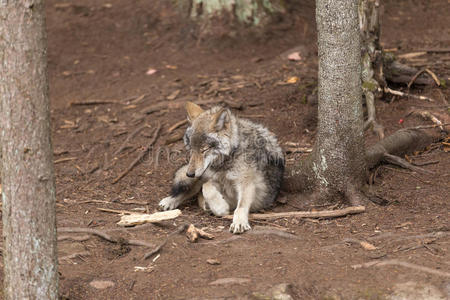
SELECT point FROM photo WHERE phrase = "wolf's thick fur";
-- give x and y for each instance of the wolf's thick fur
(235, 163)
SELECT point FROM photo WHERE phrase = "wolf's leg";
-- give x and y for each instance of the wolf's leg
(183, 188)
(213, 200)
(246, 196)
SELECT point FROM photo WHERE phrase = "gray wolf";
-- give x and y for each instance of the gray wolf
(234, 164)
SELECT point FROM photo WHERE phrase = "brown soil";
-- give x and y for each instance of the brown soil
(100, 51)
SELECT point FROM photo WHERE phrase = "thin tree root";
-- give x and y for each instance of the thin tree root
(395, 262)
(140, 156)
(128, 139)
(104, 236)
(395, 160)
(158, 248)
(306, 214)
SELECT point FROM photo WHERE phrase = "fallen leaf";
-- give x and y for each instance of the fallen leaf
(173, 95)
(212, 261)
(293, 79)
(171, 67)
(367, 246)
(294, 56)
(151, 71)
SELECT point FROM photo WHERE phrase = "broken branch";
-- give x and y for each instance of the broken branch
(160, 246)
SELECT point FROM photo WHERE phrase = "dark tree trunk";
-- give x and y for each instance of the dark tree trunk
(29, 231)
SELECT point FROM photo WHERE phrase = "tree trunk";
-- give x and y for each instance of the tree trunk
(338, 159)
(29, 231)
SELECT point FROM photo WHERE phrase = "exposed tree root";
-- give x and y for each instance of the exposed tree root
(158, 248)
(104, 236)
(306, 214)
(395, 262)
(301, 177)
(395, 160)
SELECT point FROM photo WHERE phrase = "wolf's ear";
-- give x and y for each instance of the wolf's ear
(193, 110)
(221, 119)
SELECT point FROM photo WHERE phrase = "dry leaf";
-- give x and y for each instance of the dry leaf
(294, 56)
(212, 261)
(367, 246)
(173, 95)
(293, 79)
(151, 71)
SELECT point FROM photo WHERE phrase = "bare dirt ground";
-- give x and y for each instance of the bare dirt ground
(102, 51)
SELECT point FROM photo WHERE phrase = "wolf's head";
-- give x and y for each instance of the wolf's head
(210, 138)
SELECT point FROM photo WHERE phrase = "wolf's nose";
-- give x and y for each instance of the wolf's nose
(192, 175)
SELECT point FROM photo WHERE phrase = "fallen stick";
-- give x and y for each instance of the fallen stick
(395, 262)
(160, 246)
(298, 150)
(139, 218)
(116, 211)
(61, 160)
(140, 156)
(402, 94)
(104, 236)
(306, 214)
(92, 102)
(176, 125)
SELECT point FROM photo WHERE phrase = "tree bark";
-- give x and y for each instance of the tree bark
(338, 159)
(29, 229)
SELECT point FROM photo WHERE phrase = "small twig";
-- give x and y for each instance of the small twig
(428, 126)
(158, 248)
(434, 76)
(116, 211)
(392, 159)
(93, 102)
(428, 116)
(61, 160)
(402, 94)
(140, 156)
(104, 236)
(273, 231)
(128, 139)
(307, 214)
(176, 125)
(395, 262)
(298, 150)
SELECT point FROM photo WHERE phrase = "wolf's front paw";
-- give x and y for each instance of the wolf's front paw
(240, 222)
(168, 203)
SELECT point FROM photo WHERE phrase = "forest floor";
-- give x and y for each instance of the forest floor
(110, 52)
